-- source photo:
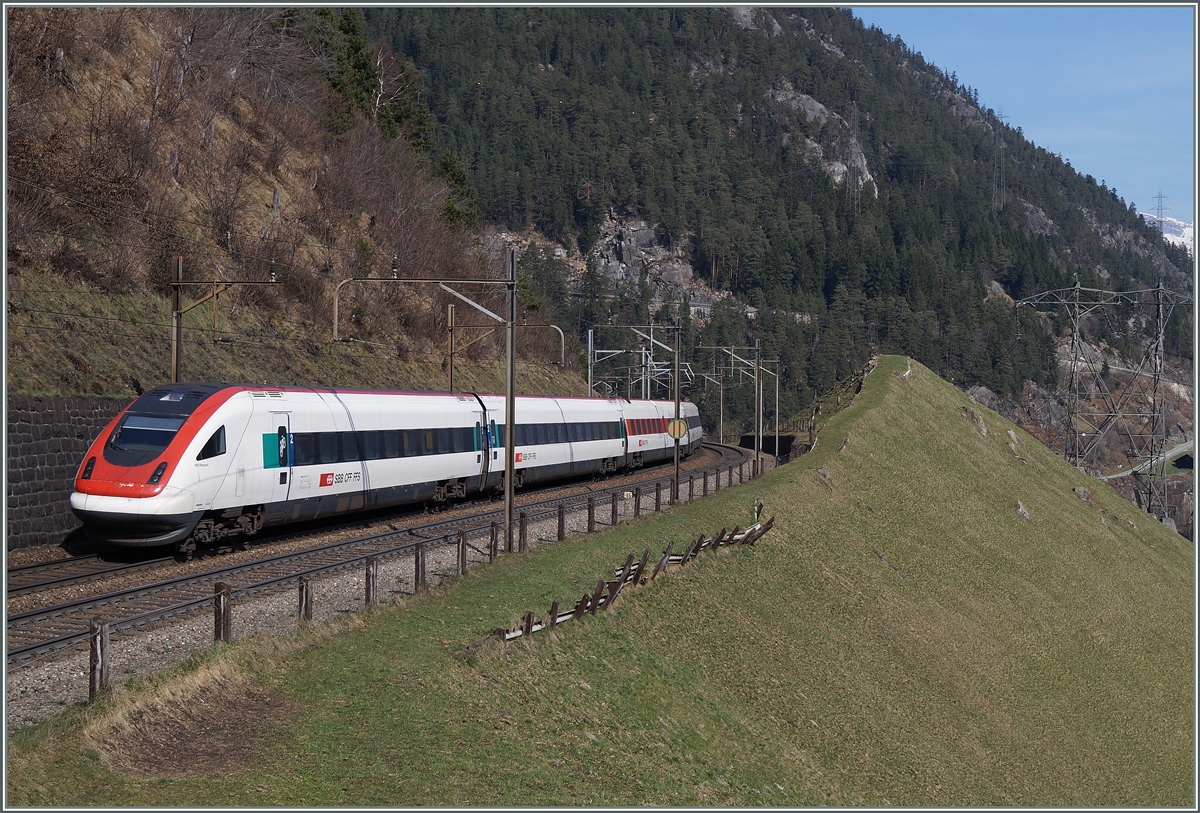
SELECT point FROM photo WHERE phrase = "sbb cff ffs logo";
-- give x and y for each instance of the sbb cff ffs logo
(331, 479)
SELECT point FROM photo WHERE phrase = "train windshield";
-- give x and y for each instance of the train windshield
(145, 433)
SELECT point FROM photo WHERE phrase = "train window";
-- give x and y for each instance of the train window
(540, 433)
(327, 447)
(145, 433)
(463, 439)
(478, 438)
(427, 442)
(350, 446)
(371, 445)
(215, 446)
(304, 449)
(561, 433)
(391, 443)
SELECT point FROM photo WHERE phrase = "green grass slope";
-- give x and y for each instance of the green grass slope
(902, 637)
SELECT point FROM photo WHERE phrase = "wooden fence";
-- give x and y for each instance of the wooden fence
(606, 592)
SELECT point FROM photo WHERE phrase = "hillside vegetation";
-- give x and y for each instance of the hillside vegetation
(251, 143)
(810, 165)
(826, 174)
(904, 636)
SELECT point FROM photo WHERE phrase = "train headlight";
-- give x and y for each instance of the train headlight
(87, 470)
(158, 473)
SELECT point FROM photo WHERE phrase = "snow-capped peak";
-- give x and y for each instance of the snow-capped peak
(1176, 232)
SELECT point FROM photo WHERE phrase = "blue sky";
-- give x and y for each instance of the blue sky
(1111, 89)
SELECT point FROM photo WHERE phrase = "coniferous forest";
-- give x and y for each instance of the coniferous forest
(858, 197)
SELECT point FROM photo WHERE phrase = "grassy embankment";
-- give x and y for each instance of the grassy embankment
(65, 338)
(902, 637)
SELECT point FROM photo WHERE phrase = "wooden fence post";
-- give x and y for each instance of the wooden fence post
(305, 599)
(462, 553)
(691, 487)
(494, 546)
(222, 621)
(553, 615)
(524, 523)
(618, 583)
(705, 483)
(591, 514)
(637, 574)
(98, 657)
(662, 563)
(614, 509)
(527, 624)
(637, 501)
(372, 580)
(741, 472)
(562, 522)
(598, 596)
(657, 495)
(419, 568)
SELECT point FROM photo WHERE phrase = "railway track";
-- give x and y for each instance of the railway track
(97, 566)
(74, 570)
(65, 625)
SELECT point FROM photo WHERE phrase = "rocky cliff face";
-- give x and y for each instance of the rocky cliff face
(627, 247)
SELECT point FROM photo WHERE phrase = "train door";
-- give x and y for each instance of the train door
(277, 457)
(624, 460)
(482, 446)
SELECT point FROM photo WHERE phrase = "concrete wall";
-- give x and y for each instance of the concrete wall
(47, 439)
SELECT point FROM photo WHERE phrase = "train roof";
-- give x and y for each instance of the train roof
(208, 388)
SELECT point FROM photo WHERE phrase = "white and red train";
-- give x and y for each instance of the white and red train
(187, 464)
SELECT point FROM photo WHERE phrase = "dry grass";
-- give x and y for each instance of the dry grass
(149, 144)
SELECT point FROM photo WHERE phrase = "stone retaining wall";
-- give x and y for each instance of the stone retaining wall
(47, 439)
